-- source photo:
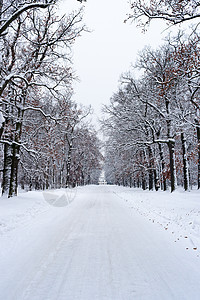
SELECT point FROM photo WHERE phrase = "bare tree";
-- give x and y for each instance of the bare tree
(11, 10)
(172, 11)
(151, 121)
(35, 64)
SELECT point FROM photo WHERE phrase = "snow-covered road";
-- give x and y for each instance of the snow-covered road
(96, 248)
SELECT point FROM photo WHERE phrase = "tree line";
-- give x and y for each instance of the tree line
(153, 121)
(45, 139)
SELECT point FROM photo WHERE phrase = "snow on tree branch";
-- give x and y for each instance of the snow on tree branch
(175, 11)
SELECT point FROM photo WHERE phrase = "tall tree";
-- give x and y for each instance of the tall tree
(35, 64)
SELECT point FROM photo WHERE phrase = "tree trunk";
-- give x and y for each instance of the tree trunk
(198, 145)
(138, 182)
(185, 162)
(68, 166)
(15, 154)
(151, 180)
(156, 180)
(162, 167)
(143, 182)
(130, 182)
(6, 168)
(171, 145)
(14, 171)
(1, 5)
(150, 169)
(1, 128)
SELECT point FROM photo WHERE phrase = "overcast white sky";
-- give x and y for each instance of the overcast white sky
(102, 55)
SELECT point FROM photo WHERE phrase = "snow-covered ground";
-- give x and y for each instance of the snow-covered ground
(108, 243)
(177, 213)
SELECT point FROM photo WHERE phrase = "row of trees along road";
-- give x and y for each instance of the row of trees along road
(153, 123)
(45, 141)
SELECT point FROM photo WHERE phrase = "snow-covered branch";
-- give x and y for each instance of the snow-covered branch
(20, 11)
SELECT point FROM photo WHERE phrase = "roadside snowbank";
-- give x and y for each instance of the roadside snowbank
(176, 213)
(21, 210)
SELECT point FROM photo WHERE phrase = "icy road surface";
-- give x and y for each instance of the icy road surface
(96, 248)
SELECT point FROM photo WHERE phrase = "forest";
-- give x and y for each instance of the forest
(152, 124)
(153, 120)
(46, 140)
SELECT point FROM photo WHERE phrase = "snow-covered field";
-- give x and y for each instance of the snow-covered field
(109, 243)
